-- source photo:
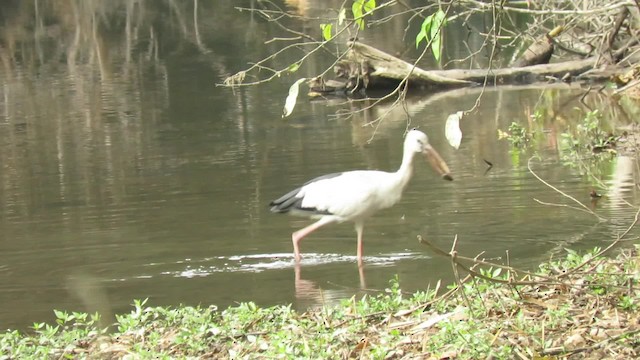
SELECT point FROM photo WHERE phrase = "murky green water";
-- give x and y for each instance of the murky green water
(126, 173)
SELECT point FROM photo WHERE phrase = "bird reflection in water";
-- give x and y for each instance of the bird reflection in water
(310, 294)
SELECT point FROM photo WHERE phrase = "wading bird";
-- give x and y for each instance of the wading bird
(355, 195)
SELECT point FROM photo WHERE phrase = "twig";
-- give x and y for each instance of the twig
(585, 207)
(601, 252)
(477, 262)
(442, 297)
(546, 280)
(453, 255)
(567, 206)
(551, 11)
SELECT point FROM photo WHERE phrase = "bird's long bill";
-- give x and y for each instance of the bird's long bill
(437, 163)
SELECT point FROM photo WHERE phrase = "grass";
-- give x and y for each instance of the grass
(581, 306)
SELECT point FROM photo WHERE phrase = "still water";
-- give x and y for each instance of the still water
(127, 173)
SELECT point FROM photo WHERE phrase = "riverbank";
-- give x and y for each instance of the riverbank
(583, 306)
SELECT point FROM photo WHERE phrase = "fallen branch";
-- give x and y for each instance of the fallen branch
(371, 68)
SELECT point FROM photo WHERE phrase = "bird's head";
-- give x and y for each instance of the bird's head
(418, 142)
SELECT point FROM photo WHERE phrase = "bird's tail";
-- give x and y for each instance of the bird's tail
(286, 202)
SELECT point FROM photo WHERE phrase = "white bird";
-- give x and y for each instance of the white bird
(356, 195)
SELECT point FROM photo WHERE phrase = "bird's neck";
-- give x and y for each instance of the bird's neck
(403, 175)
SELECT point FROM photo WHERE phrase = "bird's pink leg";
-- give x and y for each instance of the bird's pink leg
(300, 234)
(359, 229)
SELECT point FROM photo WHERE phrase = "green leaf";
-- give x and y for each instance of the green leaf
(61, 315)
(424, 30)
(293, 67)
(369, 6)
(431, 29)
(421, 36)
(326, 31)
(439, 21)
(435, 47)
(356, 9)
(361, 8)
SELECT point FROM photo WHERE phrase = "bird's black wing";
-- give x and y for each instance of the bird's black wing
(290, 201)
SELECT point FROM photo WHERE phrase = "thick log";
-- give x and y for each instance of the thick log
(529, 74)
(383, 65)
(372, 69)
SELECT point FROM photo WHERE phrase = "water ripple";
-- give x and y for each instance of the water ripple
(256, 263)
